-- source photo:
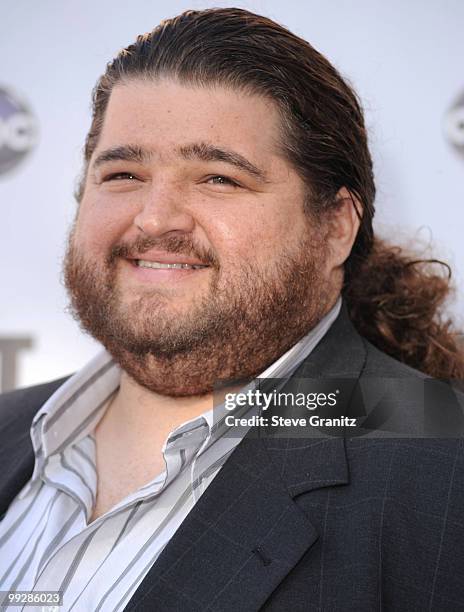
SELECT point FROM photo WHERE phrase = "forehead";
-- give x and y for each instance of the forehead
(163, 115)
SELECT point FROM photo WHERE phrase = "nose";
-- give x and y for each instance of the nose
(164, 210)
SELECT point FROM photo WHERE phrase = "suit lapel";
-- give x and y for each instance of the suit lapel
(17, 463)
(246, 532)
(243, 536)
(17, 409)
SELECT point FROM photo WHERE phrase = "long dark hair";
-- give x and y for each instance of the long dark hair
(394, 301)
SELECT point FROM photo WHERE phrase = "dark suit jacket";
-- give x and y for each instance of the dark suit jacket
(328, 524)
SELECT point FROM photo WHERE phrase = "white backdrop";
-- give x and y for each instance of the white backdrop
(404, 59)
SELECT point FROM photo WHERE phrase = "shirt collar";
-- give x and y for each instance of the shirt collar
(75, 408)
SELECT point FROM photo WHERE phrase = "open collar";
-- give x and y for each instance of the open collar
(247, 532)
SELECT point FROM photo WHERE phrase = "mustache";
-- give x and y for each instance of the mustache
(181, 245)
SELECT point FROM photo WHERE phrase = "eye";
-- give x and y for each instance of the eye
(222, 180)
(119, 176)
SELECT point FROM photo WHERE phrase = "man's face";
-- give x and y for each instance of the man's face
(192, 258)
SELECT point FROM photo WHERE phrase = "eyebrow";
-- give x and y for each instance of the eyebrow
(122, 153)
(210, 153)
(196, 151)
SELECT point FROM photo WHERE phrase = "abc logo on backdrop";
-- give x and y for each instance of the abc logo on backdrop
(18, 130)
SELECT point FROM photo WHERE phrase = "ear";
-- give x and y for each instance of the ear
(344, 224)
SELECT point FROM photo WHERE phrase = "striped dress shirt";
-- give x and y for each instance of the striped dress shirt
(46, 540)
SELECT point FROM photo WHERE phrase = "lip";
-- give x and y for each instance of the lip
(166, 258)
(152, 276)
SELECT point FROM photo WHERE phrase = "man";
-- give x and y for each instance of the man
(225, 209)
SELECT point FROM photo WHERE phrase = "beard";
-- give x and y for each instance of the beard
(241, 325)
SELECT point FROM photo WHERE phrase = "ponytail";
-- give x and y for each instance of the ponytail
(396, 301)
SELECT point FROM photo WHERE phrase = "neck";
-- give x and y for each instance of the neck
(136, 413)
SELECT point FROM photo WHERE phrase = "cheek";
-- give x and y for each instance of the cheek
(99, 226)
(255, 236)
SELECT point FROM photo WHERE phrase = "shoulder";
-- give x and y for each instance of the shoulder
(421, 427)
(412, 386)
(17, 408)
(419, 404)
(380, 364)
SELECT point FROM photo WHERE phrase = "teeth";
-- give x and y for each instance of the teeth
(167, 266)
